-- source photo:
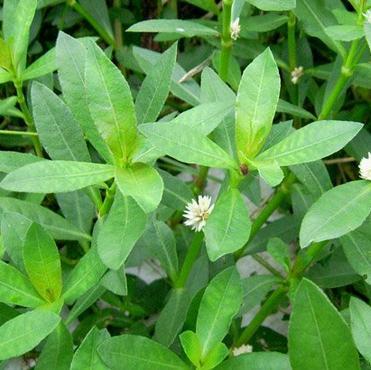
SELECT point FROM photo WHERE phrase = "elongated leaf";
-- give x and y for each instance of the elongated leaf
(121, 230)
(10, 161)
(135, 352)
(273, 4)
(25, 332)
(228, 226)
(115, 281)
(16, 289)
(110, 103)
(56, 176)
(178, 26)
(262, 23)
(71, 56)
(256, 104)
(42, 66)
(360, 317)
(86, 357)
(220, 303)
(312, 142)
(141, 182)
(59, 133)
(190, 147)
(155, 87)
(343, 32)
(42, 263)
(319, 338)
(57, 352)
(337, 212)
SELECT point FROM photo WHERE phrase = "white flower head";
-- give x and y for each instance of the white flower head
(245, 348)
(235, 29)
(367, 16)
(365, 168)
(198, 212)
(296, 73)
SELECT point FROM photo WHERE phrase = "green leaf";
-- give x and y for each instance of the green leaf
(177, 26)
(257, 361)
(58, 350)
(345, 32)
(216, 355)
(25, 332)
(42, 66)
(228, 227)
(319, 338)
(5, 56)
(286, 107)
(270, 171)
(256, 104)
(136, 352)
(115, 281)
(59, 133)
(262, 23)
(123, 227)
(220, 303)
(337, 212)
(56, 176)
(360, 319)
(367, 30)
(312, 142)
(86, 356)
(273, 4)
(55, 224)
(141, 182)
(16, 289)
(280, 252)
(110, 103)
(10, 161)
(190, 147)
(155, 87)
(71, 56)
(192, 346)
(42, 263)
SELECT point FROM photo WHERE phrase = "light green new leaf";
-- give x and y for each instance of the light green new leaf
(276, 5)
(123, 227)
(343, 32)
(71, 56)
(319, 338)
(337, 212)
(56, 176)
(360, 322)
(190, 147)
(220, 303)
(215, 356)
(25, 332)
(58, 350)
(110, 103)
(191, 346)
(312, 142)
(178, 26)
(136, 352)
(42, 66)
(367, 30)
(42, 263)
(155, 87)
(86, 356)
(143, 183)
(16, 289)
(270, 171)
(59, 133)
(256, 104)
(228, 227)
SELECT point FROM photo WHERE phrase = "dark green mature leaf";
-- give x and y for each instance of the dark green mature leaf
(256, 104)
(136, 352)
(337, 212)
(56, 176)
(155, 87)
(220, 303)
(262, 23)
(273, 4)
(360, 318)
(25, 332)
(228, 227)
(42, 263)
(16, 289)
(110, 103)
(58, 350)
(319, 338)
(143, 183)
(123, 227)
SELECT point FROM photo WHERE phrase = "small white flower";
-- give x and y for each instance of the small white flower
(245, 348)
(367, 16)
(296, 73)
(235, 29)
(365, 168)
(197, 213)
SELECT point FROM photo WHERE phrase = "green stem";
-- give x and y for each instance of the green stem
(200, 181)
(190, 258)
(174, 6)
(21, 133)
(291, 41)
(267, 266)
(93, 22)
(108, 200)
(226, 40)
